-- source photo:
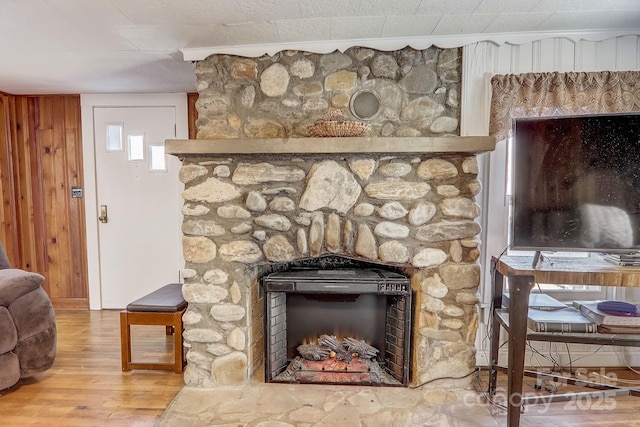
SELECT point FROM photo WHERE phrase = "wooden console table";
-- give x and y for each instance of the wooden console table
(521, 277)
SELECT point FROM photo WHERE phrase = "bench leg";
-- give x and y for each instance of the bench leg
(177, 343)
(125, 341)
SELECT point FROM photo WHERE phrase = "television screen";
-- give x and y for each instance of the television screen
(576, 183)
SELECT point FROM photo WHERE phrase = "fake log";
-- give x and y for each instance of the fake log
(314, 352)
(361, 348)
(332, 342)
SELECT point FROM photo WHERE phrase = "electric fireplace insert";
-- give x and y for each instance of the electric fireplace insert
(337, 326)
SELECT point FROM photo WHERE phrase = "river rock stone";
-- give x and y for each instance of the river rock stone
(244, 68)
(227, 312)
(233, 211)
(420, 80)
(264, 128)
(341, 80)
(274, 81)
(422, 213)
(397, 190)
(364, 209)
(197, 210)
(230, 369)
(447, 230)
(332, 233)
(301, 241)
(363, 168)
(212, 191)
(444, 125)
(236, 294)
(316, 234)
(429, 258)
(302, 68)
(278, 249)
(237, 339)
(393, 251)
(215, 277)
(212, 106)
(365, 244)
(437, 169)
(460, 276)
(242, 228)
(395, 169)
(391, 230)
(334, 61)
(202, 227)
(448, 190)
(433, 286)
(384, 66)
(219, 349)
(190, 172)
(198, 250)
(421, 108)
(348, 236)
(470, 165)
(203, 293)
(241, 251)
(222, 171)
(248, 96)
(202, 335)
(258, 173)
(255, 202)
(392, 210)
(460, 207)
(282, 204)
(308, 89)
(274, 222)
(330, 186)
(455, 251)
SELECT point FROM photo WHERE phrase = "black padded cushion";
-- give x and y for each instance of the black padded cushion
(166, 299)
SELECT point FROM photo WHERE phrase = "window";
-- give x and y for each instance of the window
(135, 145)
(114, 136)
(157, 159)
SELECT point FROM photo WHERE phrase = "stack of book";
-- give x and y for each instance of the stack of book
(609, 322)
(632, 259)
(547, 314)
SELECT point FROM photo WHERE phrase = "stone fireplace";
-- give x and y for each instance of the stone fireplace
(259, 194)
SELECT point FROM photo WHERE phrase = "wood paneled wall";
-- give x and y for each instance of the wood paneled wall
(43, 227)
(192, 114)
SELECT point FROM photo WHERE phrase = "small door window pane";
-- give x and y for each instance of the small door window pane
(157, 161)
(136, 147)
(114, 136)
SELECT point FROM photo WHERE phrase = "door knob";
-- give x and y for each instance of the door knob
(103, 214)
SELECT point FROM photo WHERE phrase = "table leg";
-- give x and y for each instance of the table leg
(498, 283)
(519, 289)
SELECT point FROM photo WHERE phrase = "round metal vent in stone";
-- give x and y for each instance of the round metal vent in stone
(365, 104)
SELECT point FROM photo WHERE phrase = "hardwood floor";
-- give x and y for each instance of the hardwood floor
(86, 385)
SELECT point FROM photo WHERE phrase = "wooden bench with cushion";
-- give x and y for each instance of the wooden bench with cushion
(164, 306)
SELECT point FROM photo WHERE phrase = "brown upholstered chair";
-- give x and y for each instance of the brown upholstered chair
(27, 324)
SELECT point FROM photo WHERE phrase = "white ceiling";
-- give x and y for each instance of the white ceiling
(130, 46)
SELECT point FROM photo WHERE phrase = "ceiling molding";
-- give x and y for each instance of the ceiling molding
(389, 44)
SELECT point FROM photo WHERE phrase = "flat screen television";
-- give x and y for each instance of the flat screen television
(576, 183)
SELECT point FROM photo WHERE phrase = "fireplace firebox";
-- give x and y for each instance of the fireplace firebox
(338, 326)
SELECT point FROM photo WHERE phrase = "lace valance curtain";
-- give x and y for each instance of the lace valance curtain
(558, 94)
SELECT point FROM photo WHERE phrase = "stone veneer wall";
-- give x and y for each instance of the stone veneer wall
(278, 96)
(244, 212)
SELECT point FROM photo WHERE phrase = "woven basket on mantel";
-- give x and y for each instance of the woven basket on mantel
(335, 124)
